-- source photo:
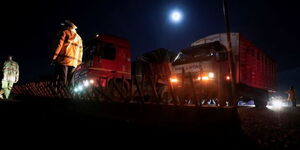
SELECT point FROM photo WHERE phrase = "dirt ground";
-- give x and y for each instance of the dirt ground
(272, 129)
(93, 122)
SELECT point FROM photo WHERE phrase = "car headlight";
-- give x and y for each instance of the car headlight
(277, 103)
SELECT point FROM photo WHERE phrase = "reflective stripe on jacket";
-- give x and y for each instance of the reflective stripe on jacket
(69, 49)
(10, 71)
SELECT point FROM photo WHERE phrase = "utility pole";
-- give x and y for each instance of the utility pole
(230, 54)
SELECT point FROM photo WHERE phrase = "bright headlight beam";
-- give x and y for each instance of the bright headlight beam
(92, 81)
(86, 83)
(174, 80)
(80, 88)
(205, 78)
(277, 104)
(211, 75)
(227, 77)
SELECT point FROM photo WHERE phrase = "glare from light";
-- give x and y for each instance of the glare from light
(80, 88)
(277, 104)
(76, 90)
(227, 77)
(86, 83)
(199, 78)
(205, 78)
(92, 81)
(173, 80)
(176, 16)
(211, 75)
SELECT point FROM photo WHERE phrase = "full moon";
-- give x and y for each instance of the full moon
(176, 16)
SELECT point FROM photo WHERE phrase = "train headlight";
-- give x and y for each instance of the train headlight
(211, 75)
(80, 88)
(227, 77)
(174, 80)
(92, 81)
(199, 78)
(205, 78)
(86, 83)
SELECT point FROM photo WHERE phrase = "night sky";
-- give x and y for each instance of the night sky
(29, 27)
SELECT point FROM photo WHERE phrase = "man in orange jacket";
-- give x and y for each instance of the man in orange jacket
(67, 53)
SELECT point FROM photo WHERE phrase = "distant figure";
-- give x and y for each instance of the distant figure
(67, 53)
(292, 95)
(10, 76)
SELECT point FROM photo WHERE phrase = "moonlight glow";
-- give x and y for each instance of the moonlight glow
(176, 16)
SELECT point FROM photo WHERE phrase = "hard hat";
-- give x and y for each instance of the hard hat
(69, 24)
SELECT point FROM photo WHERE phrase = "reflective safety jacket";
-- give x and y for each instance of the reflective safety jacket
(68, 51)
(10, 71)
